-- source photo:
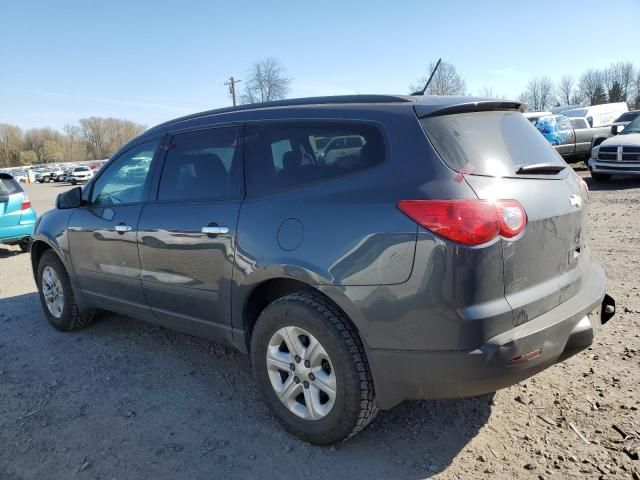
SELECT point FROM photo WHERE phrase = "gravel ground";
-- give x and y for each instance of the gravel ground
(125, 400)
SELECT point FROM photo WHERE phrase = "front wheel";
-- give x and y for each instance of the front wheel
(56, 295)
(311, 368)
(600, 177)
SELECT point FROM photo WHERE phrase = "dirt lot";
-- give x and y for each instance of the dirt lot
(124, 400)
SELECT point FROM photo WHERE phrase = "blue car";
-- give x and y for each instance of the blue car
(17, 217)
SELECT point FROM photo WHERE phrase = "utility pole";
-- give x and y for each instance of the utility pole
(232, 88)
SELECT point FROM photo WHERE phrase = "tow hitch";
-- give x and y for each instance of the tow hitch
(608, 309)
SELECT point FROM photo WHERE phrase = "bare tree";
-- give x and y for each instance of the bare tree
(592, 87)
(565, 90)
(538, 94)
(10, 145)
(487, 92)
(618, 80)
(73, 148)
(446, 81)
(103, 136)
(266, 80)
(636, 90)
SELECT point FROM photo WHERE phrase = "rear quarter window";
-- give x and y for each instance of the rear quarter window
(494, 143)
(283, 154)
(8, 186)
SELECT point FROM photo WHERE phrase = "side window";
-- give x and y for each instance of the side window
(126, 178)
(280, 155)
(563, 123)
(201, 165)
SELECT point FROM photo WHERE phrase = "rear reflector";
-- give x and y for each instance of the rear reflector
(469, 222)
(26, 203)
(525, 358)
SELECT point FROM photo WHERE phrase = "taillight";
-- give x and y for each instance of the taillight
(26, 203)
(469, 222)
(585, 188)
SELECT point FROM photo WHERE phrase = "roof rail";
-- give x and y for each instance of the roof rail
(329, 100)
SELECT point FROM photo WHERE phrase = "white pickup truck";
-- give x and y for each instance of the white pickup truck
(619, 155)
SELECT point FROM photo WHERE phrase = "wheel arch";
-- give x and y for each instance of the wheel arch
(269, 290)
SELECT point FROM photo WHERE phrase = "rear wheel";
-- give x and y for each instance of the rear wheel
(311, 368)
(56, 295)
(600, 177)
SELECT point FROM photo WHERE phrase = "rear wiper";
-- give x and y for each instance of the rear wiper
(540, 169)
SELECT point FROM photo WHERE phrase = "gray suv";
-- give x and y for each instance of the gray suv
(444, 255)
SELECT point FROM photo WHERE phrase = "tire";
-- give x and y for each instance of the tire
(73, 181)
(70, 317)
(25, 244)
(352, 406)
(601, 177)
(47, 180)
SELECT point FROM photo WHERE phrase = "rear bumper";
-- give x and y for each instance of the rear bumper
(613, 167)
(16, 233)
(499, 362)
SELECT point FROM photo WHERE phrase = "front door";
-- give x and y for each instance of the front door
(102, 234)
(187, 236)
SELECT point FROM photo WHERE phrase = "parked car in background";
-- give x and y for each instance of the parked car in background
(354, 283)
(624, 120)
(80, 174)
(619, 155)
(51, 174)
(17, 216)
(598, 115)
(567, 140)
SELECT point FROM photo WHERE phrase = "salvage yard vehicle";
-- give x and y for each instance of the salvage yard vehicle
(80, 174)
(619, 155)
(565, 138)
(602, 115)
(17, 216)
(624, 120)
(445, 258)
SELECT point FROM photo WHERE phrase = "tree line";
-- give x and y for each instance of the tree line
(620, 82)
(93, 138)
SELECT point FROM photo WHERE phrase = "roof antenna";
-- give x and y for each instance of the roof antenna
(433, 72)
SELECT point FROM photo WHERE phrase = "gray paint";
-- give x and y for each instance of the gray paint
(407, 291)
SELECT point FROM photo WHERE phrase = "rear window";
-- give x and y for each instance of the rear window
(8, 186)
(627, 117)
(492, 143)
(280, 155)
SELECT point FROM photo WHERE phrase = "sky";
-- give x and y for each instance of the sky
(151, 61)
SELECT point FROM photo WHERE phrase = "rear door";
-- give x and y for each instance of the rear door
(544, 265)
(187, 236)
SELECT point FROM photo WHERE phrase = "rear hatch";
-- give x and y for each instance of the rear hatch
(503, 157)
(11, 198)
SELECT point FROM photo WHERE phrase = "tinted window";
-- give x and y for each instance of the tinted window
(579, 123)
(8, 186)
(627, 117)
(284, 154)
(488, 143)
(126, 178)
(201, 165)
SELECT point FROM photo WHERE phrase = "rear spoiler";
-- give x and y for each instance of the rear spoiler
(473, 105)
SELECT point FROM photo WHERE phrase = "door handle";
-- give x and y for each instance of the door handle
(214, 230)
(122, 228)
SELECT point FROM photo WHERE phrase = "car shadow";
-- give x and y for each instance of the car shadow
(616, 183)
(8, 252)
(190, 406)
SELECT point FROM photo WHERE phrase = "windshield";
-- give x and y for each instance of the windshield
(495, 143)
(81, 169)
(633, 127)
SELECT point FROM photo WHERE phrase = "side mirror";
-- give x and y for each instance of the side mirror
(69, 199)
(616, 129)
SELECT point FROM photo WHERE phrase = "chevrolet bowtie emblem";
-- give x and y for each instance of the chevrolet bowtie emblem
(575, 201)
